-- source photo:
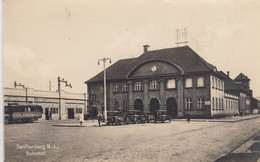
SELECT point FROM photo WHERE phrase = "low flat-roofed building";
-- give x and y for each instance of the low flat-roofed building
(71, 104)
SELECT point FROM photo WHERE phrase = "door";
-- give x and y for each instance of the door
(70, 113)
(172, 108)
(47, 113)
(154, 105)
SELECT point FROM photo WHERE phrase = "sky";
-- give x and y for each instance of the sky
(45, 39)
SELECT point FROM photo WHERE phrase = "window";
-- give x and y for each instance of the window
(226, 105)
(154, 85)
(188, 83)
(217, 103)
(78, 110)
(222, 103)
(124, 87)
(116, 88)
(219, 85)
(213, 83)
(199, 103)
(94, 97)
(125, 106)
(116, 105)
(216, 83)
(55, 111)
(93, 87)
(171, 84)
(138, 86)
(200, 82)
(213, 103)
(188, 104)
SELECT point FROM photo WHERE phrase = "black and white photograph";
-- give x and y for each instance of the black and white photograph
(130, 80)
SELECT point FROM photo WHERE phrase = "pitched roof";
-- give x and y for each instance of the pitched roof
(241, 76)
(229, 84)
(184, 56)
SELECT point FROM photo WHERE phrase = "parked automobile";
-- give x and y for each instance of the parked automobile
(89, 116)
(117, 118)
(133, 116)
(22, 113)
(144, 117)
(161, 115)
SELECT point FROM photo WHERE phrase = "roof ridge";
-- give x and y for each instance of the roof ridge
(163, 49)
(226, 76)
(203, 61)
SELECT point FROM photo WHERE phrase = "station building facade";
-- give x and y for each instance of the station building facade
(174, 79)
(71, 104)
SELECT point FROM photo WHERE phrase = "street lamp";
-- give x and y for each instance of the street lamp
(105, 90)
(67, 85)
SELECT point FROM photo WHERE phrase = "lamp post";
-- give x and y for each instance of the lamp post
(105, 90)
(67, 85)
(22, 85)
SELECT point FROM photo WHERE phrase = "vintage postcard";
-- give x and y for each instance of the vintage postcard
(139, 80)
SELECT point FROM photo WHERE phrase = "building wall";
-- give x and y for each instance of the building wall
(217, 96)
(49, 100)
(231, 105)
(179, 93)
(198, 92)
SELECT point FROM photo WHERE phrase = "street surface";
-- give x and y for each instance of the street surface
(175, 141)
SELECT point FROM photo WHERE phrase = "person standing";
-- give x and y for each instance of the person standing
(81, 119)
(99, 116)
(50, 118)
(188, 116)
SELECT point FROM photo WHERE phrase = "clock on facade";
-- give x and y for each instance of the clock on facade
(154, 68)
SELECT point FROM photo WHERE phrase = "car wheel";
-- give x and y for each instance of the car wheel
(34, 119)
(163, 120)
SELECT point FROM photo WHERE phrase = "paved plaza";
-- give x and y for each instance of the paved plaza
(200, 140)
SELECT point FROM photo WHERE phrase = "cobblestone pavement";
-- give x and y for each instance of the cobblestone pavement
(175, 141)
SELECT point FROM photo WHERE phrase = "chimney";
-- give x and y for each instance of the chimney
(228, 73)
(146, 48)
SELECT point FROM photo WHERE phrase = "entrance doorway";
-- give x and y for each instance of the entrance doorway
(138, 105)
(46, 113)
(172, 107)
(70, 113)
(154, 105)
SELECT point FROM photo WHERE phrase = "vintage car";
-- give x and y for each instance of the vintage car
(133, 116)
(22, 113)
(117, 118)
(161, 115)
(144, 117)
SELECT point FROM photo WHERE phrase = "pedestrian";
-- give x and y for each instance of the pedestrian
(99, 116)
(50, 118)
(81, 119)
(188, 116)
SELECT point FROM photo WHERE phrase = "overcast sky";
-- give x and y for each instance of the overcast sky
(45, 39)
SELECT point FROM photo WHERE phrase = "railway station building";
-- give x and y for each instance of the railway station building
(71, 104)
(174, 79)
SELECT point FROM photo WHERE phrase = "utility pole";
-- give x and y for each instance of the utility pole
(105, 87)
(67, 85)
(49, 86)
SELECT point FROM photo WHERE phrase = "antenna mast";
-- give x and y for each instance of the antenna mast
(181, 36)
